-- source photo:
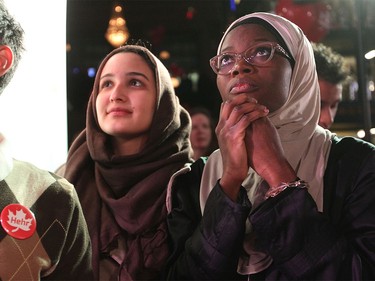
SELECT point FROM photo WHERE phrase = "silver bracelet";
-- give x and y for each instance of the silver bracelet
(273, 191)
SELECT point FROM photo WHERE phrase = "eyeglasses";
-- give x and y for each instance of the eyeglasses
(258, 54)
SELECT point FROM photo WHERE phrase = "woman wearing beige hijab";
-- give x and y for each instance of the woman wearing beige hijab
(283, 199)
(136, 137)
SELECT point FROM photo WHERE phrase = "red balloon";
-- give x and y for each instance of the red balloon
(312, 18)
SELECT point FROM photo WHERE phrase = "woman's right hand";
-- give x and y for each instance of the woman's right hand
(236, 114)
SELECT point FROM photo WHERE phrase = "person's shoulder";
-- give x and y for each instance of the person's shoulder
(352, 151)
(35, 178)
(195, 171)
(186, 183)
(351, 145)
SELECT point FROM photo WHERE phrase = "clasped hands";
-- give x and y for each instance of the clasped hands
(247, 138)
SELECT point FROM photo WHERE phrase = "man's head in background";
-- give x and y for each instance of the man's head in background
(11, 46)
(331, 76)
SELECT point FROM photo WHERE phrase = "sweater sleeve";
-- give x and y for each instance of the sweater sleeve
(208, 246)
(71, 254)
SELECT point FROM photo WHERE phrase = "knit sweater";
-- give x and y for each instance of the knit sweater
(59, 247)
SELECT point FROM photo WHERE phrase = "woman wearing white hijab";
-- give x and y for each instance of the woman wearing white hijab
(283, 199)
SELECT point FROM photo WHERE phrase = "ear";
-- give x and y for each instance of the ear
(6, 59)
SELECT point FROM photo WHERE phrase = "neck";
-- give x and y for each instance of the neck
(124, 146)
(199, 152)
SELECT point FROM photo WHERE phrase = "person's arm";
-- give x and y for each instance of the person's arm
(306, 244)
(205, 247)
(237, 114)
(72, 247)
(208, 246)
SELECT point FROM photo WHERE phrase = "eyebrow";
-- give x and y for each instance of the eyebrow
(256, 41)
(133, 73)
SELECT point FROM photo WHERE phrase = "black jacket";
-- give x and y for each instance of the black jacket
(338, 244)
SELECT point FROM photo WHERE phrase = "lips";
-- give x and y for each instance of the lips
(119, 110)
(242, 87)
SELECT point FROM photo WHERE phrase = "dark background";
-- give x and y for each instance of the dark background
(192, 41)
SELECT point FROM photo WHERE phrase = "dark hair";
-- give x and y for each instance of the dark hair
(11, 35)
(329, 64)
(196, 110)
(140, 42)
(143, 54)
(202, 110)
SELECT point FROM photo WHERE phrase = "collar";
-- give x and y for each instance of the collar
(6, 161)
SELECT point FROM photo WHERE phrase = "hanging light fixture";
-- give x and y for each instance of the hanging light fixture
(117, 32)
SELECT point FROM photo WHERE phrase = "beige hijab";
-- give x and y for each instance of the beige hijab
(306, 145)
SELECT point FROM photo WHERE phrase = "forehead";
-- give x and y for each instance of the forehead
(200, 117)
(127, 60)
(245, 35)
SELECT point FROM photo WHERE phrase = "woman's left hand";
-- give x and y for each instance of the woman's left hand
(266, 154)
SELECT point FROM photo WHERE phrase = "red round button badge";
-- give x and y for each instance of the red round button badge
(18, 221)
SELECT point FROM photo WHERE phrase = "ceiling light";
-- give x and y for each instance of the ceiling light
(370, 55)
(117, 32)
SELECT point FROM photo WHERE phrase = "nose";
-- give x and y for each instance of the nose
(241, 66)
(326, 118)
(116, 95)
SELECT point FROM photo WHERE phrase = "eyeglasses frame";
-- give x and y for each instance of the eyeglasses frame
(275, 48)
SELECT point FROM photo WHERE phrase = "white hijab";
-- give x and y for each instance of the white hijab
(306, 145)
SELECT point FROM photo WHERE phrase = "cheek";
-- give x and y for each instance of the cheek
(282, 86)
(334, 110)
(152, 108)
(207, 131)
(285, 87)
(193, 136)
(221, 83)
(98, 104)
(100, 107)
(145, 108)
